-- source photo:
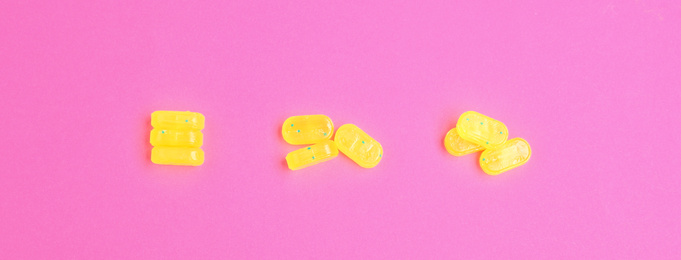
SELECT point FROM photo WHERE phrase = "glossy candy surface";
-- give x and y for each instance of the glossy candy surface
(311, 155)
(309, 129)
(358, 145)
(481, 129)
(511, 154)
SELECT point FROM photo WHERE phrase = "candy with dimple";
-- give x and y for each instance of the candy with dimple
(309, 129)
(481, 129)
(457, 146)
(311, 155)
(177, 156)
(511, 154)
(358, 145)
(176, 138)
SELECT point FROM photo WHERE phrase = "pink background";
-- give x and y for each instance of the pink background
(594, 86)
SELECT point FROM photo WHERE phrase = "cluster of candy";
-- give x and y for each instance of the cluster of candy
(316, 131)
(476, 132)
(177, 138)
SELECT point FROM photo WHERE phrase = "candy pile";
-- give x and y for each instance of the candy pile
(317, 131)
(177, 138)
(476, 132)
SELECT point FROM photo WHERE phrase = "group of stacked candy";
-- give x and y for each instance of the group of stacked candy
(177, 138)
(316, 131)
(476, 132)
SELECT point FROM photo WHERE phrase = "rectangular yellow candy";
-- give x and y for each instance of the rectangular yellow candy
(177, 156)
(511, 154)
(311, 155)
(310, 129)
(358, 145)
(457, 146)
(177, 120)
(176, 138)
(481, 129)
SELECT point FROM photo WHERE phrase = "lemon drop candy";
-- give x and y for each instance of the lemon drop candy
(457, 146)
(481, 129)
(177, 120)
(176, 138)
(311, 155)
(358, 145)
(511, 154)
(309, 129)
(177, 156)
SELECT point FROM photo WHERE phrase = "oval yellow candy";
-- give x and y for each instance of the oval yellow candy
(311, 155)
(176, 138)
(177, 156)
(358, 145)
(310, 129)
(177, 120)
(481, 129)
(511, 154)
(457, 146)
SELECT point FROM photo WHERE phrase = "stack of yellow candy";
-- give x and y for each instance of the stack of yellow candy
(177, 138)
(476, 132)
(317, 131)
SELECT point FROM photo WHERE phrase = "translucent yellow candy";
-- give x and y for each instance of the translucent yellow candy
(176, 138)
(511, 154)
(311, 155)
(307, 129)
(358, 145)
(481, 129)
(177, 156)
(177, 120)
(457, 146)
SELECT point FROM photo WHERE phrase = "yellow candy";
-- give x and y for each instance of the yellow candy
(311, 155)
(511, 154)
(358, 145)
(177, 120)
(481, 129)
(457, 146)
(176, 138)
(307, 129)
(177, 156)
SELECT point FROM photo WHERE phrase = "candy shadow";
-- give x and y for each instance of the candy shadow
(145, 141)
(282, 144)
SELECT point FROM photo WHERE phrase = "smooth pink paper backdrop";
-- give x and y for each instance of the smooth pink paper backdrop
(594, 86)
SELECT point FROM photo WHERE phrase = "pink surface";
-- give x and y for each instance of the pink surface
(594, 86)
